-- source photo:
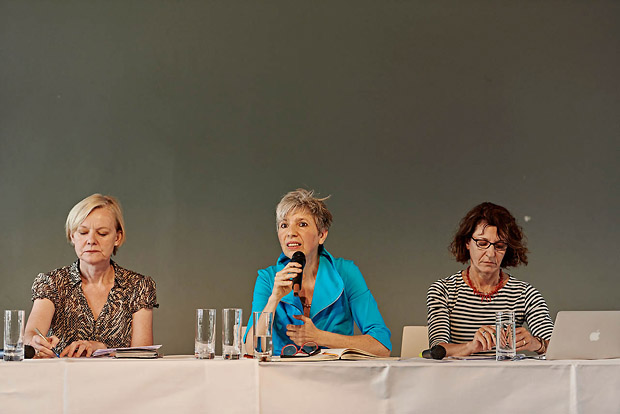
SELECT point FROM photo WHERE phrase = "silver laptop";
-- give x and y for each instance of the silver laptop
(585, 335)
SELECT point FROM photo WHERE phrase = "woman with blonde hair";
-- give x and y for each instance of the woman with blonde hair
(93, 303)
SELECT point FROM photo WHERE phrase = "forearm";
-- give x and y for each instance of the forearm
(40, 317)
(272, 304)
(457, 349)
(28, 335)
(142, 328)
(363, 342)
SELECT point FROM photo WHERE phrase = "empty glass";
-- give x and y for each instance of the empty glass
(204, 344)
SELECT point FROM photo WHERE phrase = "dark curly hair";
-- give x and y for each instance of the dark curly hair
(507, 230)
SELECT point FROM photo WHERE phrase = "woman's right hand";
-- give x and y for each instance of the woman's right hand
(283, 283)
(484, 339)
(43, 348)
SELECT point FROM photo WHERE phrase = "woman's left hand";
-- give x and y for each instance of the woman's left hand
(525, 341)
(300, 334)
(81, 348)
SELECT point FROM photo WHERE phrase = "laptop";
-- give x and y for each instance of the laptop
(585, 335)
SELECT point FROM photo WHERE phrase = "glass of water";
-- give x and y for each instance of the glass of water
(204, 344)
(262, 330)
(505, 347)
(14, 335)
(231, 333)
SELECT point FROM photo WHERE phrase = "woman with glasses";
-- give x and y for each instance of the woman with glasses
(461, 308)
(333, 294)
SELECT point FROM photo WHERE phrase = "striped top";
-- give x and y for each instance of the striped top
(455, 313)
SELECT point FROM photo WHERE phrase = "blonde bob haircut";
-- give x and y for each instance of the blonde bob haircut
(302, 199)
(81, 210)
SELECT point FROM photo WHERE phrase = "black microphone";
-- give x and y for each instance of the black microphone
(298, 257)
(436, 352)
(29, 352)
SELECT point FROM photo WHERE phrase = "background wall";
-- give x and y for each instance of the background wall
(200, 115)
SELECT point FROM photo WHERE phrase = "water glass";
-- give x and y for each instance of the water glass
(505, 347)
(204, 344)
(231, 333)
(14, 335)
(262, 335)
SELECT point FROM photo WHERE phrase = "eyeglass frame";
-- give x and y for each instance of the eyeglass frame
(300, 350)
(490, 244)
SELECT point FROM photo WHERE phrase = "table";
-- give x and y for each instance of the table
(183, 384)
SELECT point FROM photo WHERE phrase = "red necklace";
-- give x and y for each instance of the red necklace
(484, 296)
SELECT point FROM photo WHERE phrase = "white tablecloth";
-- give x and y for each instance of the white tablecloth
(183, 384)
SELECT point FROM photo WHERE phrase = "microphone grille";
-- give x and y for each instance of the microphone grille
(438, 352)
(299, 257)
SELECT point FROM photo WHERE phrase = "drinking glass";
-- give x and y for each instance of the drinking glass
(262, 331)
(14, 335)
(231, 333)
(505, 347)
(204, 344)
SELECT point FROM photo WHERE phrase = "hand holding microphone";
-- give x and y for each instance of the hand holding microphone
(286, 278)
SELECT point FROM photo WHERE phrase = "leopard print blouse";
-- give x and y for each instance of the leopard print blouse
(73, 319)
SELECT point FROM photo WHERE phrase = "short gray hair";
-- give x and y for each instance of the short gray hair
(302, 199)
(81, 210)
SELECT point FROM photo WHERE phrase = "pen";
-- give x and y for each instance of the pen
(41, 335)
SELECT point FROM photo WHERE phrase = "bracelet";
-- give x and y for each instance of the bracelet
(543, 345)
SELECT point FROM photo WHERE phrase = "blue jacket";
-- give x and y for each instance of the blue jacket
(340, 298)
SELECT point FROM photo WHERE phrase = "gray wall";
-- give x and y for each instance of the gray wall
(200, 115)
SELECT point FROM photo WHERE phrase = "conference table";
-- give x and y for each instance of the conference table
(183, 384)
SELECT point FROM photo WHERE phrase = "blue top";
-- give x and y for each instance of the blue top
(340, 298)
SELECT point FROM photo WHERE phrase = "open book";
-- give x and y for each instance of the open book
(332, 354)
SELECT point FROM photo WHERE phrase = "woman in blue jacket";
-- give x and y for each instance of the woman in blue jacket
(333, 293)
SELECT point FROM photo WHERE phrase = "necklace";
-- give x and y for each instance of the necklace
(484, 296)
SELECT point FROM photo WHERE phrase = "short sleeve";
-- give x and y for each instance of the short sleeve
(145, 296)
(44, 288)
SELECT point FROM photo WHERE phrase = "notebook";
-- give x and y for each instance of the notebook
(585, 335)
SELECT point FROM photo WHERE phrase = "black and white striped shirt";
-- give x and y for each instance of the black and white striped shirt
(455, 313)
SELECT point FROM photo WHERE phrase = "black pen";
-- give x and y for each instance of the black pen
(44, 338)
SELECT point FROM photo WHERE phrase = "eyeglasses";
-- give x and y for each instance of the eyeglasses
(500, 246)
(307, 349)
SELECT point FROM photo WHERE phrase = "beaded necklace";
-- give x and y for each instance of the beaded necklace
(484, 296)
